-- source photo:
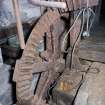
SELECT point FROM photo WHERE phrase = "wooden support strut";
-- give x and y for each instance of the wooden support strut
(19, 23)
(52, 4)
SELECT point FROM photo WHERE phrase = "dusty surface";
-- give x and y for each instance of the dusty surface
(92, 92)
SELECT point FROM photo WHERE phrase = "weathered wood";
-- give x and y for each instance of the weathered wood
(92, 90)
(78, 4)
(66, 88)
(92, 55)
(19, 24)
(50, 4)
(93, 50)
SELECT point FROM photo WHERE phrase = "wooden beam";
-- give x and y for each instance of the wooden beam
(96, 56)
(19, 23)
(52, 4)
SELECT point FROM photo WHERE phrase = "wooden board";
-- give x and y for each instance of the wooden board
(93, 87)
(78, 4)
(93, 50)
(92, 55)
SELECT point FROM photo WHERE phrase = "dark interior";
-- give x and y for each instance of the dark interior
(103, 10)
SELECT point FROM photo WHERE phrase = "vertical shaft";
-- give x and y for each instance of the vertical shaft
(19, 24)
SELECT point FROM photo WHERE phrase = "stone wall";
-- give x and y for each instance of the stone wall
(7, 17)
(5, 85)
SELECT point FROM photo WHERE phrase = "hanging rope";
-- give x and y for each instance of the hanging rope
(82, 11)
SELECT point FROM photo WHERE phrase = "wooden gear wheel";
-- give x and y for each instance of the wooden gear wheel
(25, 67)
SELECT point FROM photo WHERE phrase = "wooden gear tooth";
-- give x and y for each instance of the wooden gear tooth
(21, 84)
(26, 65)
(25, 78)
(30, 98)
(23, 90)
(27, 70)
(30, 55)
(25, 93)
(27, 60)
(24, 73)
